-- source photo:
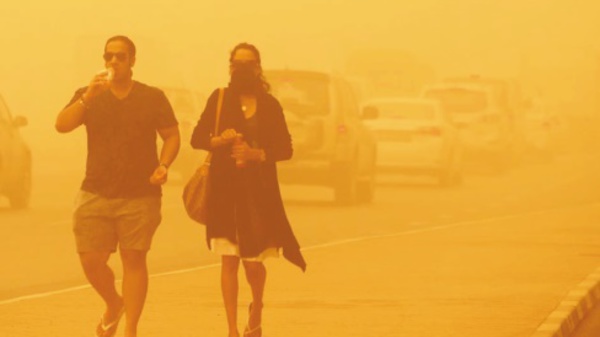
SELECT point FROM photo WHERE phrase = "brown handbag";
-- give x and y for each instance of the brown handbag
(197, 190)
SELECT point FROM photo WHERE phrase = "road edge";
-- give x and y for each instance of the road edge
(573, 309)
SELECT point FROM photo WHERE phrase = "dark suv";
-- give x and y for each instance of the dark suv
(332, 147)
(15, 159)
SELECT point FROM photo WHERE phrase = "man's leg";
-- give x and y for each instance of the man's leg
(135, 287)
(102, 279)
(229, 289)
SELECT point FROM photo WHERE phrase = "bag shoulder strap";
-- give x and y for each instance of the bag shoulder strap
(219, 106)
(217, 120)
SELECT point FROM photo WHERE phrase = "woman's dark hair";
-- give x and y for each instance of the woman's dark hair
(124, 39)
(244, 45)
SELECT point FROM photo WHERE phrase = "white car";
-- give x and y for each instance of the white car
(15, 159)
(542, 129)
(485, 129)
(415, 137)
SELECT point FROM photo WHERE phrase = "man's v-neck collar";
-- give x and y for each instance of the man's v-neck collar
(133, 88)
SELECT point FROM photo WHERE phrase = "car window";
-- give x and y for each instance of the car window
(301, 94)
(499, 89)
(405, 110)
(459, 100)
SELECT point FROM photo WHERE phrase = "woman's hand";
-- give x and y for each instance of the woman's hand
(225, 138)
(243, 152)
(229, 135)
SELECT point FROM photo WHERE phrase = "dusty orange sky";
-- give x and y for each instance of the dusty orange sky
(186, 42)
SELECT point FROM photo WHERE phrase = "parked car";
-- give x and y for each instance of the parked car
(416, 136)
(507, 97)
(332, 146)
(15, 159)
(485, 129)
(188, 106)
(544, 131)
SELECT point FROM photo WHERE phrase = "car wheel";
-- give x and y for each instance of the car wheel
(501, 162)
(21, 192)
(365, 191)
(457, 178)
(345, 189)
(445, 178)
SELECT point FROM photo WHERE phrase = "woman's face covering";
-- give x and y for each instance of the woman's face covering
(244, 72)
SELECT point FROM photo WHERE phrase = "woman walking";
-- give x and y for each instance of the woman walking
(246, 218)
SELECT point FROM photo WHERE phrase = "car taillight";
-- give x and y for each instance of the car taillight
(489, 118)
(432, 131)
(547, 124)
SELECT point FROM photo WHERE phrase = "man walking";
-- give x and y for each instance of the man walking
(120, 197)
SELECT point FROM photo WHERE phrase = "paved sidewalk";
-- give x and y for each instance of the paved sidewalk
(496, 278)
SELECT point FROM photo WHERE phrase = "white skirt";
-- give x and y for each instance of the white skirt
(223, 246)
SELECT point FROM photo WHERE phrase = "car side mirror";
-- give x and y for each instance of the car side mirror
(19, 121)
(370, 112)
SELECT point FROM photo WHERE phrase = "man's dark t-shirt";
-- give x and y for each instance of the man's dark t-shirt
(121, 141)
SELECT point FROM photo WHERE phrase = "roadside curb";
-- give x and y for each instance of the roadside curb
(572, 310)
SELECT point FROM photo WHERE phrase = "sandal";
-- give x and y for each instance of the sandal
(254, 332)
(251, 332)
(110, 329)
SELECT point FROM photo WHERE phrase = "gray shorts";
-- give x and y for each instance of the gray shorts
(100, 224)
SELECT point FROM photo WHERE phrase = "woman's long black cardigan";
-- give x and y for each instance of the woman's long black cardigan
(229, 185)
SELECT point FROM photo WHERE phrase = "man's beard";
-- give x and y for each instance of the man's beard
(245, 81)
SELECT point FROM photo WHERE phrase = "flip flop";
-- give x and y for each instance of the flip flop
(252, 331)
(110, 329)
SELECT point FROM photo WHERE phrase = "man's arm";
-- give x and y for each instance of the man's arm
(171, 143)
(168, 153)
(71, 117)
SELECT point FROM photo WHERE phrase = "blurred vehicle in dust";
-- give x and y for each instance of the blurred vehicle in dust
(15, 159)
(483, 126)
(416, 136)
(332, 146)
(188, 106)
(509, 99)
(544, 130)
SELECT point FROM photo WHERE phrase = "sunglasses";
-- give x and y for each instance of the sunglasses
(109, 56)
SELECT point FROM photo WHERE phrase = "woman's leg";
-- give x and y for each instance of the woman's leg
(256, 274)
(229, 288)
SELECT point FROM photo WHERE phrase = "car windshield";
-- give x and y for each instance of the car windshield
(458, 100)
(302, 94)
(405, 110)
(498, 88)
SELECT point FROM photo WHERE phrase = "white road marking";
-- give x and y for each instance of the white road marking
(42, 295)
(315, 247)
(417, 224)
